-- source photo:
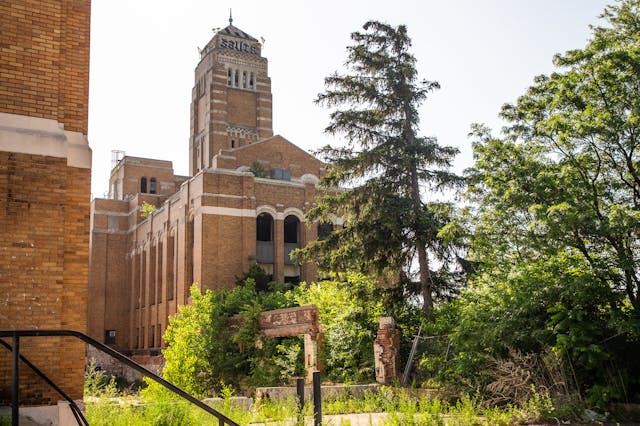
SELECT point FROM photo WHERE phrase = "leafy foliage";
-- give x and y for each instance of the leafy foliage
(258, 170)
(555, 225)
(207, 348)
(349, 313)
(146, 209)
(388, 221)
(216, 340)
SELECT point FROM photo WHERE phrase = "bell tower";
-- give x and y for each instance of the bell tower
(231, 97)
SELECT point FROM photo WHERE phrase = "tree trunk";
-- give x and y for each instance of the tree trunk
(426, 282)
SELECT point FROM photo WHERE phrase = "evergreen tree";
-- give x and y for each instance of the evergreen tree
(385, 164)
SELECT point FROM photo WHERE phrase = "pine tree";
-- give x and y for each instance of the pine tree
(385, 165)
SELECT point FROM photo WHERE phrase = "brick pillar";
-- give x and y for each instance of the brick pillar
(386, 351)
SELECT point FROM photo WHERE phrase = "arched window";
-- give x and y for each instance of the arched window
(291, 242)
(264, 227)
(264, 238)
(251, 81)
(236, 78)
(291, 237)
(244, 79)
(229, 76)
(143, 185)
(152, 185)
(291, 229)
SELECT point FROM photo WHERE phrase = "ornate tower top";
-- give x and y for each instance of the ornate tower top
(231, 98)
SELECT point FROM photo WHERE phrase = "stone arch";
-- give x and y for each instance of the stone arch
(294, 211)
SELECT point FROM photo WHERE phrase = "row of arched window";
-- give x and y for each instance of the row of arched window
(264, 234)
(241, 79)
(143, 185)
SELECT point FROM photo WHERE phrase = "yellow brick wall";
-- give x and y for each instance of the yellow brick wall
(44, 244)
(44, 71)
(44, 202)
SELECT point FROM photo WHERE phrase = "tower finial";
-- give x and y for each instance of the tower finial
(230, 17)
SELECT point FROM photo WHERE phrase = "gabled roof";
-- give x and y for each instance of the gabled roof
(270, 140)
(236, 32)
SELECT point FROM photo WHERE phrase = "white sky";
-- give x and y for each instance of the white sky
(483, 52)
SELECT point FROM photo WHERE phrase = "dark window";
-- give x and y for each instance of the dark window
(159, 274)
(143, 185)
(264, 227)
(152, 185)
(189, 258)
(170, 267)
(152, 336)
(264, 238)
(292, 280)
(109, 337)
(291, 237)
(291, 229)
(324, 229)
(280, 174)
(152, 275)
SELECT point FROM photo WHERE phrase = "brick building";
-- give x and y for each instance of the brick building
(45, 174)
(243, 203)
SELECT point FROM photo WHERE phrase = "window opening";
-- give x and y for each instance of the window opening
(280, 174)
(109, 337)
(152, 275)
(251, 78)
(264, 238)
(228, 76)
(237, 78)
(159, 273)
(189, 258)
(152, 185)
(170, 267)
(143, 279)
(143, 185)
(264, 227)
(291, 228)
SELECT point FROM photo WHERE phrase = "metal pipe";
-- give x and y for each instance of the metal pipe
(317, 399)
(15, 384)
(300, 392)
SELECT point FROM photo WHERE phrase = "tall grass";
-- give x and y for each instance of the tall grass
(156, 406)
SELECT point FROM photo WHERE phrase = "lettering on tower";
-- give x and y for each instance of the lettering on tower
(240, 46)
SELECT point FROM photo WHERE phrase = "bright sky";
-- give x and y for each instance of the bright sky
(483, 52)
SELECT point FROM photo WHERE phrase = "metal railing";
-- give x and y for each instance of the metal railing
(16, 357)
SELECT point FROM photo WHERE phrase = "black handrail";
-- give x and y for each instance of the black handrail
(16, 334)
(77, 413)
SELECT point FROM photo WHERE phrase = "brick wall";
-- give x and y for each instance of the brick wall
(45, 174)
(44, 243)
(44, 71)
